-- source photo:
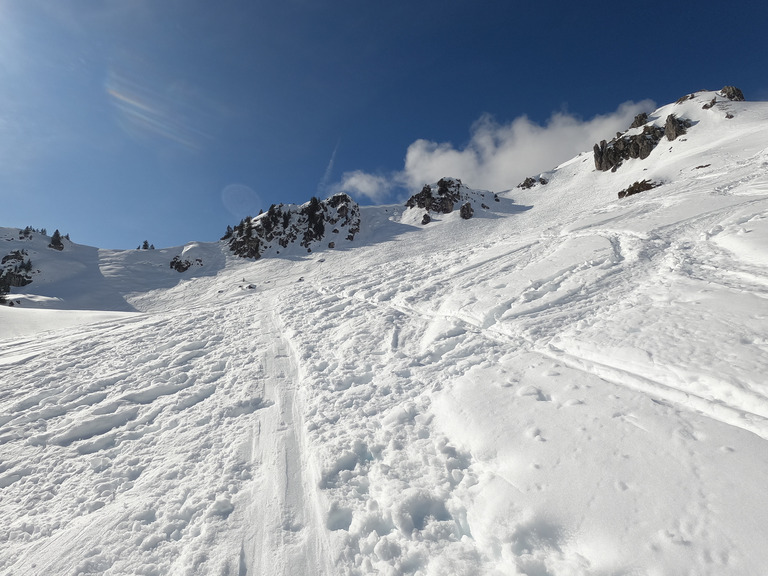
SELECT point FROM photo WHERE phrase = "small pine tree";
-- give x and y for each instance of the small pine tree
(151, 246)
(56, 242)
(145, 245)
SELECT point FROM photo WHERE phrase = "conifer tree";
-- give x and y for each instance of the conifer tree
(56, 242)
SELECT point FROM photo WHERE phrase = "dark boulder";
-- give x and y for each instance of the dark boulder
(466, 211)
(675, 127)
(639, 120)
(426, 219)
(638, 187)
(531, 182)
(180, 265)
(732, 93)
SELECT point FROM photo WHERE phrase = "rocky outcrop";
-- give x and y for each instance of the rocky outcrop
(674, 127)
(531, 182)
(639, 120)
(183, 265)
(15, 270)
(285, 224)
(638, 187)
(447, 196)
(610, 155)
(732, 93)
(442, 200)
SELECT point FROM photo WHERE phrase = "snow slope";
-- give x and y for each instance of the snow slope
(571, 384)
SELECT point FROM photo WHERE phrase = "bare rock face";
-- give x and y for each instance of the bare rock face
(639, 120)
(675, 127)
(638, 187)
(466, 211)
(732, 93)
(610, 155)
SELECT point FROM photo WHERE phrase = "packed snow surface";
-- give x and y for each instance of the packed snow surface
(566, 384)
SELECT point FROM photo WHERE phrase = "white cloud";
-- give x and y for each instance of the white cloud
(498, 156)
(359, 183)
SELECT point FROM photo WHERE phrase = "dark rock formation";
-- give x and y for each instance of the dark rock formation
(448, 194)
(709, 104)
(183, 265)
(610, 155)
(639, 120)
(283, 225)
(638, 187)
(530, 183)
(732, 93)
(15, 270)
(675, 127)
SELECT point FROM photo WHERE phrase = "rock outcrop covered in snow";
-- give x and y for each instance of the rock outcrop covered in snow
(609, 155)
(337, 217)
(447, 195)
(16, 269)
(732, 93)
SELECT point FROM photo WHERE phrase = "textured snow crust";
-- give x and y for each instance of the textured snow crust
(570, 385)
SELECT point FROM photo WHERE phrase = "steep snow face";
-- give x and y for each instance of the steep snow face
(572, 385)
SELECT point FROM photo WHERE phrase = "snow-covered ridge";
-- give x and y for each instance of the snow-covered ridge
(572, 385)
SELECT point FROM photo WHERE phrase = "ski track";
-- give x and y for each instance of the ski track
(575, 390)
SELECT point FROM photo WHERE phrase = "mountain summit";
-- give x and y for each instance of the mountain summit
(569, 382)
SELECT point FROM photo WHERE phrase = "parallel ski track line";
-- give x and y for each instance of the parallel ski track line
(719, 411)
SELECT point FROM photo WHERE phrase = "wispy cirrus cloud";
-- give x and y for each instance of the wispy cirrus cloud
(498, 155)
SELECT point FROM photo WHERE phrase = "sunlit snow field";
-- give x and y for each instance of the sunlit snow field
(566, 384)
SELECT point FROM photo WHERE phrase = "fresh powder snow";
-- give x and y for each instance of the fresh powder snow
(566, 384)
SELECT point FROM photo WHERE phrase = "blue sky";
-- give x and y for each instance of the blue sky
(125, 120)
